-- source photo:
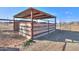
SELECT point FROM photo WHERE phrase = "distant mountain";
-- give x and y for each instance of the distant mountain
(6, 20)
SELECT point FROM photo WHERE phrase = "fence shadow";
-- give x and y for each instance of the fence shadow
(61, 36)
(9, 49)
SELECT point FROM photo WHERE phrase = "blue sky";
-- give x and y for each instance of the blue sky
(62, 13)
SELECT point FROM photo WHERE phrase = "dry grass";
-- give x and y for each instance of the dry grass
(69, 27)
(9, 38)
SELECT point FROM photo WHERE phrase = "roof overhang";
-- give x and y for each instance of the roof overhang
(36, 14)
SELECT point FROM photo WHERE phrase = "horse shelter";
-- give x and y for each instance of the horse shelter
(35, 23)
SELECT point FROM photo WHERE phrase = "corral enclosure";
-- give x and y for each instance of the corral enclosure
(39, 28)
(9, 38)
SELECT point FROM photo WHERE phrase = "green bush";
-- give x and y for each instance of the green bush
(27, 43)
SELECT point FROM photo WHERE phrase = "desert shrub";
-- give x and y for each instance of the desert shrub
(29, 42)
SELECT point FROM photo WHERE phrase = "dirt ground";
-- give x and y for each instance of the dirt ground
(65, 38)
(56, 41)
(9, 40)
(44, 46)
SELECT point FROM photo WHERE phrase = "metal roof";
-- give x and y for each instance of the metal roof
(37, 14)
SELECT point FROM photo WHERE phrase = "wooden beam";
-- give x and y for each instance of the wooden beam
(14, 24)
(26, 14)
(42, 17)
(32, 24)
(55, 23)
(48, 26)
(30, 15)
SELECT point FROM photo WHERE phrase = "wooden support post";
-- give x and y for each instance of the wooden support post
(55, 23)
(48, 26)
(14, 24)
(32, 24)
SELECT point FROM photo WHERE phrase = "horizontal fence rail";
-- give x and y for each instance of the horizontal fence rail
(38, 29)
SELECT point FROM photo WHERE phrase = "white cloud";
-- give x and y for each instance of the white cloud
(68, 12)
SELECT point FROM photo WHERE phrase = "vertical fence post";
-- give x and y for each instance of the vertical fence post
(48, 26)
(55, 23)
(32, 24)
(13, 23)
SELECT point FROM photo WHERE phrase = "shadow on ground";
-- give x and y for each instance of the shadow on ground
(8, 49)
(61, 36)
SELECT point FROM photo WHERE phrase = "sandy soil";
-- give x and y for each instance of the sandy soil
(8, 38)
(72, 47)
(45, 46)
(56, 42)
(52, 42)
